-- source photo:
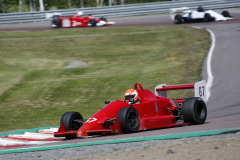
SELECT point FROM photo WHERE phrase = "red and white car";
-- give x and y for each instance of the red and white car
(78, 20)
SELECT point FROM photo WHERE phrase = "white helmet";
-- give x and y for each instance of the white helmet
(131, 95)
(79, 13)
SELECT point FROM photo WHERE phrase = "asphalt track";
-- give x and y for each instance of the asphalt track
(224, 102)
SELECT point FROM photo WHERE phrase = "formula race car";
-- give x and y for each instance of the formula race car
(185, 15)
(140, 110)
(77, 20)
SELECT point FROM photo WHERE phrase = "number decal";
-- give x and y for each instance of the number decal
(91, 120)
(66, 23)
(201, 91)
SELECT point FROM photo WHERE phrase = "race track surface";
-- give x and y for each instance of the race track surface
(224, 102)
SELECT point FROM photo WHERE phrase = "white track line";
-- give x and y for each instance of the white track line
(209, 59)
(29, 138)
(209, 68)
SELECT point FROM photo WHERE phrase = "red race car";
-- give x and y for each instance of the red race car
(140, 110)
(78, 20)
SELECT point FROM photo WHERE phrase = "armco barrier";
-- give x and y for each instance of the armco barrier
(120, 10)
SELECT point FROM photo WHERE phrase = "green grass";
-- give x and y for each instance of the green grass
(35, 89)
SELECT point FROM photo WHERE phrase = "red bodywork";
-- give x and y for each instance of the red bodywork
(79, 21)
(154, 111)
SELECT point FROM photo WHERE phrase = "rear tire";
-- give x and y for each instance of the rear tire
(194, 111)
(129, 119)
(56, 23)
(226, 14)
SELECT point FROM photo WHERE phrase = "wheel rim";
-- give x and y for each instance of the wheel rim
(207, 17)
(177, 20)
(75, 125)
(133, 120)
(201, 111)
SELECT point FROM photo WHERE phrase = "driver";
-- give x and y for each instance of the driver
(131, 96)
(200, 9)
(78, 14)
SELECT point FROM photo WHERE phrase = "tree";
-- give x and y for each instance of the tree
(2, 6)
(69, 4)
(34, 5)
(20, 5)
(7, 6)
(97, 2)
(31, 5)
(81, 3)
(41, 5)
(101, 3)
(113, 2)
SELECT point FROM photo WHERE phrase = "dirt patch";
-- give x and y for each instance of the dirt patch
(75, 64)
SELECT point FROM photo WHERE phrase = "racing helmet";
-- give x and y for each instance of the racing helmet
(200, 9)
(79, 13)
(131, 95)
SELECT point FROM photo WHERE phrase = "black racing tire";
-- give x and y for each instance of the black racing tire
(103, 19)
(129, 119)
(69, 120)
(56, 23)
(92, 22)
(178, 19)
(207, 17)
(194, 111)
(226, 14)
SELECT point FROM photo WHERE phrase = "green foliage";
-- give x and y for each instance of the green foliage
(142, 1)
(36, 89)
(8, 6)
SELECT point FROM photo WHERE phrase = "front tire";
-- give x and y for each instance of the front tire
(92, 22)
(103, 19)
(226, 14)
(178, 19)
(72, 121)
(129, 119)
(194, 111)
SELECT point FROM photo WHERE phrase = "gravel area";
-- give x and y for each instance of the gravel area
(219, 147)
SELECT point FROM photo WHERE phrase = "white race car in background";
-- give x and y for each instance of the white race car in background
(185, 15)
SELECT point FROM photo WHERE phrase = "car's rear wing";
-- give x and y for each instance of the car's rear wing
(181, 9)
(199, 89)
(174, 11)
(52, 15)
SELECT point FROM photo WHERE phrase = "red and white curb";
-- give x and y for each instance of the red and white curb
(42, 136)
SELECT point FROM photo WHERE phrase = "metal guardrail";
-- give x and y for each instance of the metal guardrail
(120, 10)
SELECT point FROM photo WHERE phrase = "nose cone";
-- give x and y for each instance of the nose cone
(90, 125)
(93, 125)
(96, 124)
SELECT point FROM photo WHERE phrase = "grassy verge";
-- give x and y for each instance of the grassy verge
(36, 89)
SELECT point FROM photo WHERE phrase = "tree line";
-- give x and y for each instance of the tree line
(7, 6)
